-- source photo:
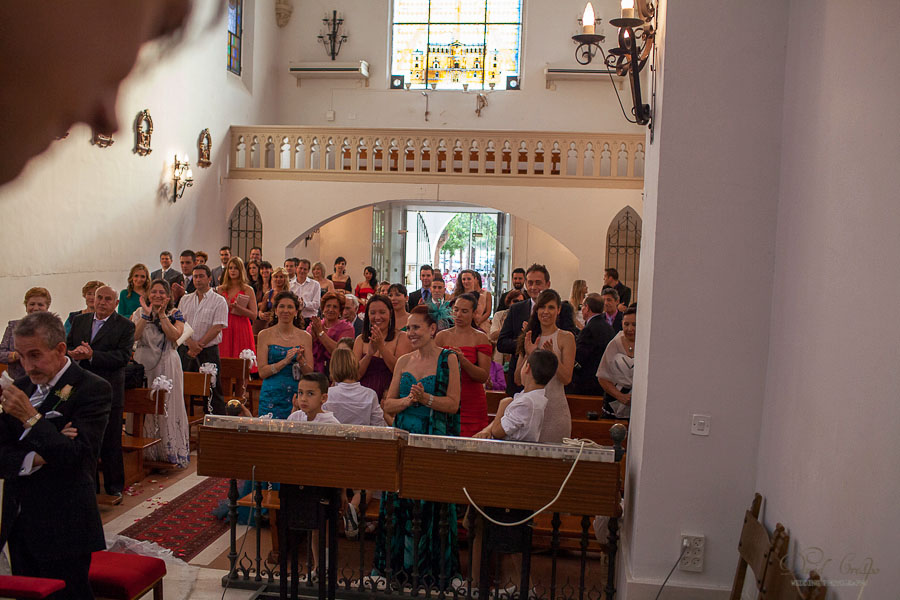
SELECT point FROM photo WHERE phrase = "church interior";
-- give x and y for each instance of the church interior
(762, 186)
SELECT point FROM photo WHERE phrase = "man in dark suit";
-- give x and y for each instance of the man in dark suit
(537, 279)
(611, 312)
(590, 343)
(188, 260)
(218, 272)
(166, 272)
(101, 342)
(611, 280)
(426, 276)
(50, 433)
(351, 313)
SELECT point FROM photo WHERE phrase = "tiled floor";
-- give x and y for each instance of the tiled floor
(194, 581)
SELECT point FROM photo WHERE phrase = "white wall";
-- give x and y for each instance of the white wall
(706, 289)
(80, 212)
(349, 235)
(828, 459)
(549, 26)
(577, 218)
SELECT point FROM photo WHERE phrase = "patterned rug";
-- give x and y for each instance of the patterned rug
(185, 525)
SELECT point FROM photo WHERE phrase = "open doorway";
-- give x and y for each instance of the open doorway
(452, 239)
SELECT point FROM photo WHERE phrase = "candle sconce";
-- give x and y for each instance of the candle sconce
(332, 38)
(182, 176)
(588, 40)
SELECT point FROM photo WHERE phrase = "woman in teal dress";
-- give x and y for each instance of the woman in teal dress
(423, 398)
(138, 285)
(280, 346)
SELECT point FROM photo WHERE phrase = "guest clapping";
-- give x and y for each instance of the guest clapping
(327, 331)
(280, 346)
(157, 327)
(379, 345)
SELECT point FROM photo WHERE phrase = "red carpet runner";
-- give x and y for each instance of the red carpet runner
(185, 525)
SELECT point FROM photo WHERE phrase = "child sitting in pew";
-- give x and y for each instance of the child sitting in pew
(348, 399)
(352, 404)
(520, 418)
(312, 393)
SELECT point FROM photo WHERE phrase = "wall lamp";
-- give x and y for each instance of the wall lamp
(182, 176)
(637, 35)
(634, 50)
(588, 40)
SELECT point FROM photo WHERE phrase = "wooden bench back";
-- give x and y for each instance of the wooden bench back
(234, 374)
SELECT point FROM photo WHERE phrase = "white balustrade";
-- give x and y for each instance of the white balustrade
(487, 157)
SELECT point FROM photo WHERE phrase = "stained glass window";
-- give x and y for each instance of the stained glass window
(235, 23)
(449, 44)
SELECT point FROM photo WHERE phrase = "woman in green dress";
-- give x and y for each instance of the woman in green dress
(423, 398)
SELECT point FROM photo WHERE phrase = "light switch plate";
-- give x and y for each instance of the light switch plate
(700, 424)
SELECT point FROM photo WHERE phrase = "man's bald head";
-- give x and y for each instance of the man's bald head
(105, 301)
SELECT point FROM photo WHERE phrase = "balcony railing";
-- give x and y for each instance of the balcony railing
(412, 155)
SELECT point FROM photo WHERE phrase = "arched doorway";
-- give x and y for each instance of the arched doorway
(244, 228)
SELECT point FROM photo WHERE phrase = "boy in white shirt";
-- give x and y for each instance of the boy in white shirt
(352, 404)
(312, 393)
(349, 401)
(520, 418)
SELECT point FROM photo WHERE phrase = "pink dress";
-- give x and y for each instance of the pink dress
(238, 336)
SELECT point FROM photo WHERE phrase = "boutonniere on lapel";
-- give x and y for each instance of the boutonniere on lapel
(63, 395)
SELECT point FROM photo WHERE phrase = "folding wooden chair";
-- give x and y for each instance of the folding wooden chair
(756, 550)
(781, 584)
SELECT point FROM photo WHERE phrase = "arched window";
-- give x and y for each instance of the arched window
(244, 228)
(623, 248)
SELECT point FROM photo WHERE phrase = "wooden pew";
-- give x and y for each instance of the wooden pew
(139, 403)
(234, 375)
(197, 387)
(580, 405)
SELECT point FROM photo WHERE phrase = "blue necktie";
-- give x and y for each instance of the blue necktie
(39, 395)
(96, 327)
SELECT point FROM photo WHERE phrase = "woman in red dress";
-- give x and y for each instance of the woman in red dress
(241, 298)
(473, 348)
(366, 288)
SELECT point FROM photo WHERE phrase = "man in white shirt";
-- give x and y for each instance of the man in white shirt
(307, 290)
(290, 265)
(520, 418)
(207, 314)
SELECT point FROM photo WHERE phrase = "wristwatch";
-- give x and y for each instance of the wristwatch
(30, 421)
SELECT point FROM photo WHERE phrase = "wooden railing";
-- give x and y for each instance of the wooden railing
(486, 157)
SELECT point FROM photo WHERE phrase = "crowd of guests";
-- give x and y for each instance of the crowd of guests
(369, 354)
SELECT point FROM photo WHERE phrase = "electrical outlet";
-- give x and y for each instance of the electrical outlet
(692, 559)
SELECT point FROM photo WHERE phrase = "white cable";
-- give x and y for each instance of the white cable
(566, 441)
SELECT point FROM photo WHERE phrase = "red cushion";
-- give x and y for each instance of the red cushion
(124, 576)
(17, 586)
